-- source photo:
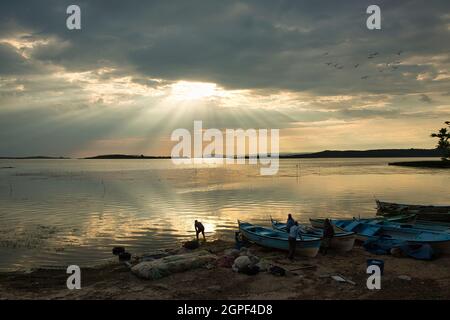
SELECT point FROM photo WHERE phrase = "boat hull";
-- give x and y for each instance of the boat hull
(278, 240)
(443, 247)
(318, 223)
(423, 212)
(440, 241)
(434, 227)
(342, 241)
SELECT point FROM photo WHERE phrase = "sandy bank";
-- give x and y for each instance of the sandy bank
(429, 280)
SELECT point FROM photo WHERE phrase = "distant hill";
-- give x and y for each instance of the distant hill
(125, 156)
(381, 153)
(423, 164)
(32, 157)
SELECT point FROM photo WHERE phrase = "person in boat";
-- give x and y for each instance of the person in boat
(290, 222)
(328, 234)
(294, 232)
(199, 228)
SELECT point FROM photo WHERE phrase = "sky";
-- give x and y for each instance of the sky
(137, 70)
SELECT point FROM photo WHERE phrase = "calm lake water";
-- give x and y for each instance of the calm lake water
(61, 212)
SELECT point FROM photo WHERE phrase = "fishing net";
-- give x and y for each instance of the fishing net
(166, 266)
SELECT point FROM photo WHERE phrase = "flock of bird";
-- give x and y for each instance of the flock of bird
(388, 66)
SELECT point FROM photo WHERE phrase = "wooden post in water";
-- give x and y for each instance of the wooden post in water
(104, 189)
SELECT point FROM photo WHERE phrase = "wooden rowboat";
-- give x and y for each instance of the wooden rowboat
(306, 246)
(423, 212)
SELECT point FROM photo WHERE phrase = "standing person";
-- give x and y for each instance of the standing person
(328, 234)
(289, 223)
(199, 228)
(294, 232)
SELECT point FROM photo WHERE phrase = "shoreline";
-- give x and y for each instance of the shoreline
(325, 154)
(423, 164)
(306, 278)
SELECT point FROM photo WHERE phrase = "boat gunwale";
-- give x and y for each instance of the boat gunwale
(444, 237)
(311, 239)
(341, 234)
(395, 216)
(414, 206)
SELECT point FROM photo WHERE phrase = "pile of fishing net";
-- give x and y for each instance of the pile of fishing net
(166, 266)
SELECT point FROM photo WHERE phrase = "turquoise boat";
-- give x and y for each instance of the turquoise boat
(372, 229)
(318, 223)
(439, 226)
(306, 246)
(419, 226)
(342, 241)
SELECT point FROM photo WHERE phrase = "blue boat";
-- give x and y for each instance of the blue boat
(342, 241)
(407, 218)
(424, 226)
(306, 246)
(373, 229)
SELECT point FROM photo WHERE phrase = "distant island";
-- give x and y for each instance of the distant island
(126, 156)
(33, 158)
(381, 153)
(443, 147)
(378, 153)
(423, 164)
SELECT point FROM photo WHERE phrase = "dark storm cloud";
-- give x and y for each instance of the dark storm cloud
(245, 44)
(425, 98)
(266, 45)
(12, 62)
